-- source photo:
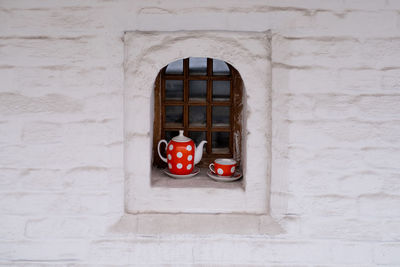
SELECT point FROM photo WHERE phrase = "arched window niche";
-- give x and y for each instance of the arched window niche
(203, 97)
(146, 53)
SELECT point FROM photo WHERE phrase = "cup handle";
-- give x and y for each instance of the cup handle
(158, 148)
(213, 169)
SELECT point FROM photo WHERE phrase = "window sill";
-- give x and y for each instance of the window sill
(201, 180)
(196, 224)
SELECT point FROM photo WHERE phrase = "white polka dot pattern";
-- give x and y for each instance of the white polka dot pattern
(189, 166)
(189, 148)
(232, 169)
(220, 171)
(179, 165)
(190, 157)
(169, 166)
(171, 147)
(169, 156)
(179, 154)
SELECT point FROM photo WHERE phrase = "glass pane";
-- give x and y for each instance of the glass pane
(170, 134)
(197, 90)
(220, 142)
(175, 67)
(221, 115)
(174, 115)
(197, 116)
(220, 67)
(197, 66)
(221, 90)
(198, 137)
(174, 90)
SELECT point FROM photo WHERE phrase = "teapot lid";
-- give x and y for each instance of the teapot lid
(181, 137)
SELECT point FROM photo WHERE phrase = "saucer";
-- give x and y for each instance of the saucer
(185, 176)
(236, 176)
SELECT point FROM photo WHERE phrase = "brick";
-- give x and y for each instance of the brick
(361, 228)
(352, 253)
(366, 159)
(387, 253)
(303, 80)
(87, 179)
(41, 80)
(12, 227)
(44, 51)
(341, 227)
(9, 179)
(379, 107)
(379, 205)
(43, 251)
(11, 103)
(41, 180)
(391, 80)
(105, 106)
(358, 81)
(50, 156)
(263, 252)
(337, 52)
(344, 133)
(41, 132)
(346, 183)
(53, 203)
(82, 179)
(375, 108)
(83, 132)
(375, 23)
(300, 80)
(323, 205)
(101, 132)
(65, 227)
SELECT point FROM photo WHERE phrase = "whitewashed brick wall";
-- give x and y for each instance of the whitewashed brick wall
(336, 132)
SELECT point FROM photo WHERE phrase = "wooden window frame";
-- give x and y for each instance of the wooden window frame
(235, 104)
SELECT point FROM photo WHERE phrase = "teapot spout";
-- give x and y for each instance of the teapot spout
(199, 152)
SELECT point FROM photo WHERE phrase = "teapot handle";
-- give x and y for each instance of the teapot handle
(158, 148)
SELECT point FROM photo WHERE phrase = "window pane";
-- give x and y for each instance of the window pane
(174, 90)
(220, 142)
(175, 67)
(197, 90)
(174, 115)
(221, 90)
(220, 67)
(198, 137)
(197, 116)
(170, 134)
(221, 116)
(197, 66)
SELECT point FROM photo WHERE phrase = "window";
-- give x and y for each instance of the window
(202, 96)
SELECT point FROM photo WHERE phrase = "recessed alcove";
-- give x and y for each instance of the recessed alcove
(147, 190)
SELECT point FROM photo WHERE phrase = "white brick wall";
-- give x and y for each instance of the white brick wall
(335, 148)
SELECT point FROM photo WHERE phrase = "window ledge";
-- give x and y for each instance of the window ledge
(195, 224)
(201, 180)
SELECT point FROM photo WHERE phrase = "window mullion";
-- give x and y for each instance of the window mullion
(186, 95)
(209, 106)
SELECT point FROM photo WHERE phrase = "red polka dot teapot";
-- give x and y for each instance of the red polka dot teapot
(182, 154)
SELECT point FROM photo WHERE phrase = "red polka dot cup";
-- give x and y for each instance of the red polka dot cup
(182, 154)
(223, 167)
